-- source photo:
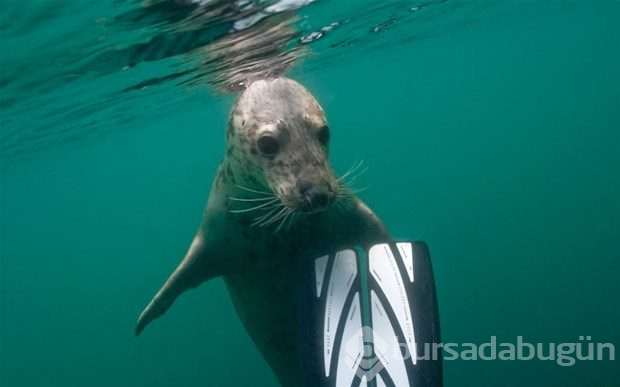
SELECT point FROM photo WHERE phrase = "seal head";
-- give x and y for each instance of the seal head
(278, 139)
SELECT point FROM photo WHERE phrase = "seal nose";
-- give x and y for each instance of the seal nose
(316, 197)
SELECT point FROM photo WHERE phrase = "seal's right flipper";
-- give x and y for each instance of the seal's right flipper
(191, 272)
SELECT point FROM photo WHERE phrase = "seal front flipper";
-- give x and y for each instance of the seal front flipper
(194, 269)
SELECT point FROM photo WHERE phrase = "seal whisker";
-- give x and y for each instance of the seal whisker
(277, 217)
(264, 218)
(261, 218)
(286, 215)
(251, 200)
(351, 170)
(293, 216)
(253, 190)
(345, 197)
(344, 191)
(357, 190)
(354, 177)
(345, 203)
(254, 208)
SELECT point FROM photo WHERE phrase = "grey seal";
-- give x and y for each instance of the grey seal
(275, 203)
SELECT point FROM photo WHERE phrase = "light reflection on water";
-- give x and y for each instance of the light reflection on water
(71, 74)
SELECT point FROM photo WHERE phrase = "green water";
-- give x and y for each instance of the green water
(491, 132)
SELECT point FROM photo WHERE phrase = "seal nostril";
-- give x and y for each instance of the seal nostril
(315, 197)
(320, 200)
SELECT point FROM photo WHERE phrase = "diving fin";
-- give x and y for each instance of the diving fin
(370, 318)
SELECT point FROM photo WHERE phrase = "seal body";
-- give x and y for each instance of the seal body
(274, 204)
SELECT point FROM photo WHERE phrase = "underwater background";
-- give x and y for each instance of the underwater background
(491, 131)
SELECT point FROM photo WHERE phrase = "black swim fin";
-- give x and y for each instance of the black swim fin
(370, 318)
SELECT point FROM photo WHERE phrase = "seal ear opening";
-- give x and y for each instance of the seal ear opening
(191, 272)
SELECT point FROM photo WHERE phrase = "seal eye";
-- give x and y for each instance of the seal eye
(324, 135)
(268, 145)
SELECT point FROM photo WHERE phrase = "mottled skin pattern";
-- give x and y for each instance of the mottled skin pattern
(261, 266)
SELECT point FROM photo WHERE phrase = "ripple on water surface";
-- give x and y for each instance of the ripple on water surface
(71, 74)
